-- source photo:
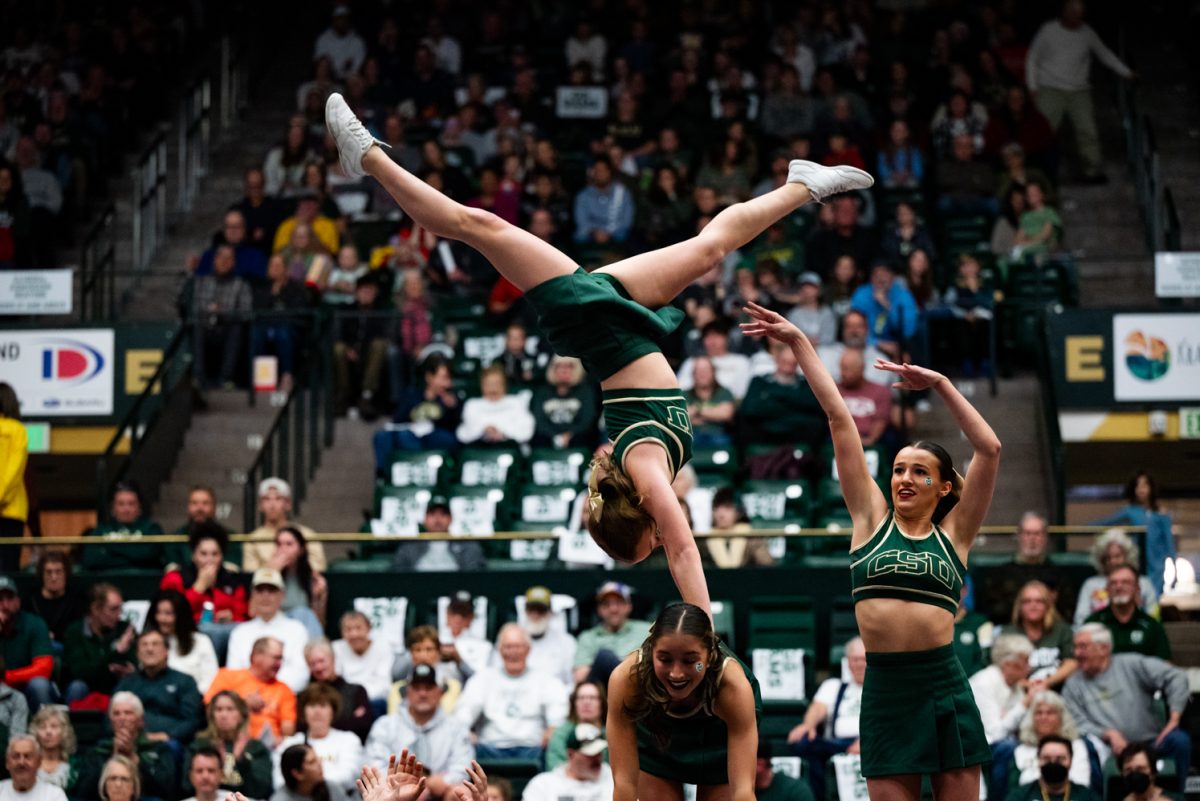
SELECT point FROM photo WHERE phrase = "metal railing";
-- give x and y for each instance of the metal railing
(302, 430)
(97, 268)
(1054, 441)
(150, 453)
(233, 83)
(195, 141)
(1141, 148)
(1172, 233)
(150, 202)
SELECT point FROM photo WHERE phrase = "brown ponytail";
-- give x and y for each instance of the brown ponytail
(946, 472)
(615, 517)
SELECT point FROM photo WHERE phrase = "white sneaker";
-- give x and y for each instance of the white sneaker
(353, 139)
(822, 181)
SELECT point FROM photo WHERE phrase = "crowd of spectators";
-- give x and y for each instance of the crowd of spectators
(229, 684)
(692, 113)
(79, 90)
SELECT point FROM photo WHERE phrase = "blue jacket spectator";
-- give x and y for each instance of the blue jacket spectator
(1143, 511)
(604, 208)
(891, 310)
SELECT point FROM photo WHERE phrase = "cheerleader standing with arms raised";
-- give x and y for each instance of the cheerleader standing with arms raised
(907, 566)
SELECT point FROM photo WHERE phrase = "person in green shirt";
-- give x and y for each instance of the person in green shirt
(780, 407)
(1133, 631)
(1054, 759)
(602, 647)
(772, 786)
(98, 651)
(1039, 228)
(28, 657)
(710, 406)
(127, 523)
(154, 759)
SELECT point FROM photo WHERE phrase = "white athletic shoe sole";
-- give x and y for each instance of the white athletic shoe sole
(352, 137)
(824, 182)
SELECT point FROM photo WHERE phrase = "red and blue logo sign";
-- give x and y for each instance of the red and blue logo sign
(69, 361)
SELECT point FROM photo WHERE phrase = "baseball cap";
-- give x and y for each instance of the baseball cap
(537, 596)
(614, 588)
(274, 483)
(810, 278)
(341, 9)
(438, 502)
(462, 603)
(587, 740)
(424, 674)
(267, 576)
(7, 585)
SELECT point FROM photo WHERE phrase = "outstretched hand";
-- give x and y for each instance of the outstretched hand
(405, 780)
(475, 788)
(766, 323)
(912, 376)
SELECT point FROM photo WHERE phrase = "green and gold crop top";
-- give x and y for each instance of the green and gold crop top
(649, 415)
(894, 565)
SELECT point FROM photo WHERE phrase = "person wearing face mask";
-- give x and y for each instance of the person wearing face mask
(1053, 784)
(552, 650)
(1141, 777)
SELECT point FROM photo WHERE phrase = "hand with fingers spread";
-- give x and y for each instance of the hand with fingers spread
(766, 323)
(912, 376)
(236, 797)
(475, 788)
(405, 780)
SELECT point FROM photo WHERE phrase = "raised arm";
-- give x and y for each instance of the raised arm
(863, 497)
(963, 522)
(622, 737)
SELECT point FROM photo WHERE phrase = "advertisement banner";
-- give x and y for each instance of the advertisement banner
(35, 291)
(60, 373)
(581, 103)
(1156, 357)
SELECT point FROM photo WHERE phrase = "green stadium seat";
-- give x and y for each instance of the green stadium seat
(488, 467)
(478, 509)
(517, 771)
(842, 627)
(550, 467)
(546, 506)
(782, 621)
(715, 462)
(724, 622)
(777, 500)
(419, 468)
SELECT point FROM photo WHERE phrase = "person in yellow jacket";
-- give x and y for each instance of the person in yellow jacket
(14, 451)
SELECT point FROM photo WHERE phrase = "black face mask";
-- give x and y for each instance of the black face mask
(1137, 783)
(1054, 773)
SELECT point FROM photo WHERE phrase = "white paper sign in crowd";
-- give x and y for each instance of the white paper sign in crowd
(35, 291)
(780, 673)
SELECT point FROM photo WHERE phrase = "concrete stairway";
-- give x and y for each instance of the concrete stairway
(218, 448)
(344, 485)
(1103, 227)
(1016, 416)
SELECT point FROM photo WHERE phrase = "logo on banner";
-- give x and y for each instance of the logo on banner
(1147, 357)
(66, 361)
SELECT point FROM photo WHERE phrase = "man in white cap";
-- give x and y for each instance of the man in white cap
(552, 650)
(605, 645)
(266, 598)
(583, 777)
(275, 506)
(816, 320)
(344, 48)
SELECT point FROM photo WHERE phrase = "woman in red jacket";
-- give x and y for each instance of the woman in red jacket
(206, 581)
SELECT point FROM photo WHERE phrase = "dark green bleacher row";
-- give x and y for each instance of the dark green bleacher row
(537, 493)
